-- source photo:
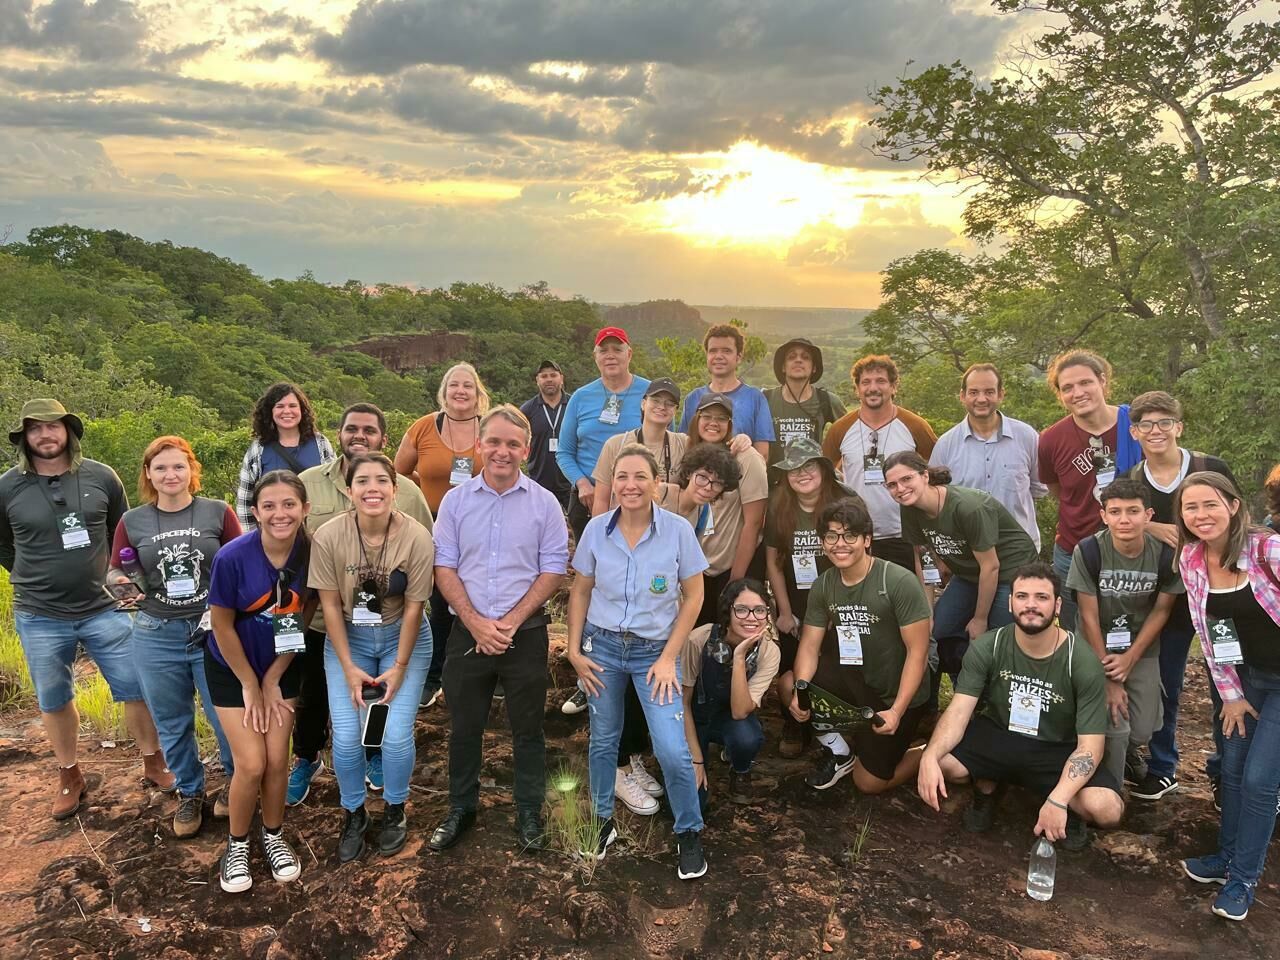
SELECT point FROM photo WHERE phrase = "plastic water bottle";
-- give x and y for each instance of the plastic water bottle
(1044, 862)
(130, 566)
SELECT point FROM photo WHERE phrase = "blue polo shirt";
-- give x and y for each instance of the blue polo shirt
(751, 414)
(638, 590)
(583, 433)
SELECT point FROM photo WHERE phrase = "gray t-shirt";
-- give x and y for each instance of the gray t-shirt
(37, 527)
(176, 552)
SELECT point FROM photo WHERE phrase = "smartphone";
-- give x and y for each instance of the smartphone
(125, 592)
(375, 724)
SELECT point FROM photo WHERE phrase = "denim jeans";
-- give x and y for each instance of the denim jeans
(1251, 779)
(373, 650)
(50, 646)
(1175, 643)
(626, 659)
(951, 614)
(171, 671)
(1062, 567)
(742, 739)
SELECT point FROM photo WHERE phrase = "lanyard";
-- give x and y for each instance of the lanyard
(373, 570)
(554, 424)
(666, 452)
(67, 505)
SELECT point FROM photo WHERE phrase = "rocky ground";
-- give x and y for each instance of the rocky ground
(793, 873)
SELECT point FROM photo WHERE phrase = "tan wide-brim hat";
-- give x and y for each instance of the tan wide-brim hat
(45, 411)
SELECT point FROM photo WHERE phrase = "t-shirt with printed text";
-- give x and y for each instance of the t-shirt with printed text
(970, 521)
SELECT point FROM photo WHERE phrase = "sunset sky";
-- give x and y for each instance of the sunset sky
(711, 150)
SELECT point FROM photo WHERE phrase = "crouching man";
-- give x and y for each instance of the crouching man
(1042, 724)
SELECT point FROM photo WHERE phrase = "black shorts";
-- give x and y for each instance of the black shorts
(225, 689)
(990, 752)
(878, 753)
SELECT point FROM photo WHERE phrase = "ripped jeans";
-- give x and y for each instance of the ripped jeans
(626, 658)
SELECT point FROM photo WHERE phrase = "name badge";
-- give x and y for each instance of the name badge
(1118, 636)
(612, 411)
(1226, 642)
(206, 620)
(75, 534)
(287, 629)
(850, 645)
(1104, 468)
(179, 579)
(360, 612)
(553, 444)
(873, 469)
(460, 472)
(710, 528)
(805, 568)
(929, 569)
(1024, 714)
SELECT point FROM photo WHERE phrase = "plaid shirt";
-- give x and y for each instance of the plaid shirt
(251, 470)
(1195, 576)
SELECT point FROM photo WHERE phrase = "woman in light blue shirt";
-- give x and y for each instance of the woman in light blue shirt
(633, 603)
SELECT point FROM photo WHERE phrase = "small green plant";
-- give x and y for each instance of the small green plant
(102, 715)
(16, 688)
(859, 840)
(571, 825)
(206, 739)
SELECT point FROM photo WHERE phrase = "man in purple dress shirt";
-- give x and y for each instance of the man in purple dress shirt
(502, 550)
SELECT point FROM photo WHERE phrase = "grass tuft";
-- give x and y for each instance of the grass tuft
(102, 715)
(16, 688)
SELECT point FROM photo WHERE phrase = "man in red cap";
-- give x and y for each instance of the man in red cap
(595, 413)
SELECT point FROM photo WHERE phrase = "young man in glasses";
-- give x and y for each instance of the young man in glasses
(58, 511)
(860, 441)
(1155, 421)
(362, 429)
(865, 641)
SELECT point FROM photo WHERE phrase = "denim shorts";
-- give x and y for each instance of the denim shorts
(51, 646)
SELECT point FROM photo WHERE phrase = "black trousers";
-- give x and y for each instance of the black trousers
(895, 550)
(469, 681)
(635, 728)
(578, 515)
(441, 626)
(311, 712)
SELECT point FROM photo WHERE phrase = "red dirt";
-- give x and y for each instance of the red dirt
(786, 879)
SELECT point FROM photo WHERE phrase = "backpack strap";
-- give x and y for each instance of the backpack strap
(1091, 553)
(1261, 559)
(824, 404)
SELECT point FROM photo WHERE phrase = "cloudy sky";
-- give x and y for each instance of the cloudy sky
(712, 150)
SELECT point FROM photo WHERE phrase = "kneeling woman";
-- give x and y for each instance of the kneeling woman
(257, 592)
(727, 669)
(633, 603)
(372, 567)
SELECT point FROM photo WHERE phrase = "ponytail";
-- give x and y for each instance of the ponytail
(938, 476)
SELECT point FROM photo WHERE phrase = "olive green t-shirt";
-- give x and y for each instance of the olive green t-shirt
(885, 600)
(970, 520)
(1068, 685)
(1126, 588)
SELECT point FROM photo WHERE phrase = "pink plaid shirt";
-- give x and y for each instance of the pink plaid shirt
(1195, 576)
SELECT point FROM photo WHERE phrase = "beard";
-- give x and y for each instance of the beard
(1032, 630)
(46, 454)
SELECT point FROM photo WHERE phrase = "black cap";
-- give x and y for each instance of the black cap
(715, 400)
(548, 365)
(663, 385)
(780, 359)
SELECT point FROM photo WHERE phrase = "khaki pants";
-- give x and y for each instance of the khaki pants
(1146, 715)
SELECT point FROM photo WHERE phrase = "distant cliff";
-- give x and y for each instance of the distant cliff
(648, 321)
(404, 352)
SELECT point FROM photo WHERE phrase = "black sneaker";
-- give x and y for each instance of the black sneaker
(1152, 787)
(829, 770)
(693, 863)
(1077, 833)
(285, 865)
(351, 839)
(234, 875)
(575, 704)
(980, 815)
(608, 834)
(394, 831)
(1135, 768)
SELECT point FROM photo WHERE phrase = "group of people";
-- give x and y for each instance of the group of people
(852, 562)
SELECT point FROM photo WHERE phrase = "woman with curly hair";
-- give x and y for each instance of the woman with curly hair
(284, 438)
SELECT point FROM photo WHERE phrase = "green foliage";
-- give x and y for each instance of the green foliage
(16, 688)
(685, 361)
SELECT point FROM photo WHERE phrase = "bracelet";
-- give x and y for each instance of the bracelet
(1060, 806)
(698, 763)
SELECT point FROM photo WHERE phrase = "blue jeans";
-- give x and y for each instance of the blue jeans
(742, 739)
(50, 646)
(171, 671)
(1062, 567)
(951, 614)
(1251, 779)
(626, 659)
(373, 650)
(1175, 643)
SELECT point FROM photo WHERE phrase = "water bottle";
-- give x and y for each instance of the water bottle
(130, 566)
(1044, 861)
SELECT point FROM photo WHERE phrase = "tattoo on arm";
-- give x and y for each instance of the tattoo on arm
(1080, 766)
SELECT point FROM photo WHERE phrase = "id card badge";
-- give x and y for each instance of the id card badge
(553, 444)
(460, 472)
(179, 579)
(287, 628)
(850, 645)
(873, 469)
(710, 528)
(1226, 642)
(805, 568)
(360, 612)
(74, 533)
(206, 620)
(1024, 713)
(1118, 635)
(612, 411)
(1104, 468)
(929, 569)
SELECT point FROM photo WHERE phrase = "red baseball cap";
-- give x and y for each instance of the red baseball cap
(616, 332)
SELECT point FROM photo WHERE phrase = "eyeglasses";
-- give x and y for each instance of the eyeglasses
(662, 403)
(370, 586)
(55, 491)
(742, 611)
(831, 538)
(706, 418)
(708, 483)
(808, 467)
(1165, 424)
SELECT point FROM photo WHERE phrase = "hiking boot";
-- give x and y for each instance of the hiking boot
(980, 815)
(222, 804)
(741, 786)
(829, 770)
(1152, 787)
(300, 777)
(575, 704)
(632, 795)
(351, 839)
(693, 862)
(642, 777)
(71, 790)
(394, 831)
(234, 875)
(189, 816)
(795, 737)
(285, 865)
(156, 774)
(1077, 837)
(608, 834)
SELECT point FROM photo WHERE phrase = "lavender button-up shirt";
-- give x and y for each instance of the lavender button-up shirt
(499, 543)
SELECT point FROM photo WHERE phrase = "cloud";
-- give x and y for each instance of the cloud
(887, 231)
(99, 30)
(182, 53)
(272, 50)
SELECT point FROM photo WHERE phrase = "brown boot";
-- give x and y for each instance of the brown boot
(222, 805)
(156, 774)
(71, 789)
(795, 737)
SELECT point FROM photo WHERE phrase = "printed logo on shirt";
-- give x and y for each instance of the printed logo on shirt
(788, 429)
(945, 545)
(854, 615)
(658, 584)
(1120, 583)
(1020, 686)
(1083, 463)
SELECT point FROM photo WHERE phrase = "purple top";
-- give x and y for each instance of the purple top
(499, 543)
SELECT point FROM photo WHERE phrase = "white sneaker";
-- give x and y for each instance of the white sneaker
(633, 795)
(641, 776)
